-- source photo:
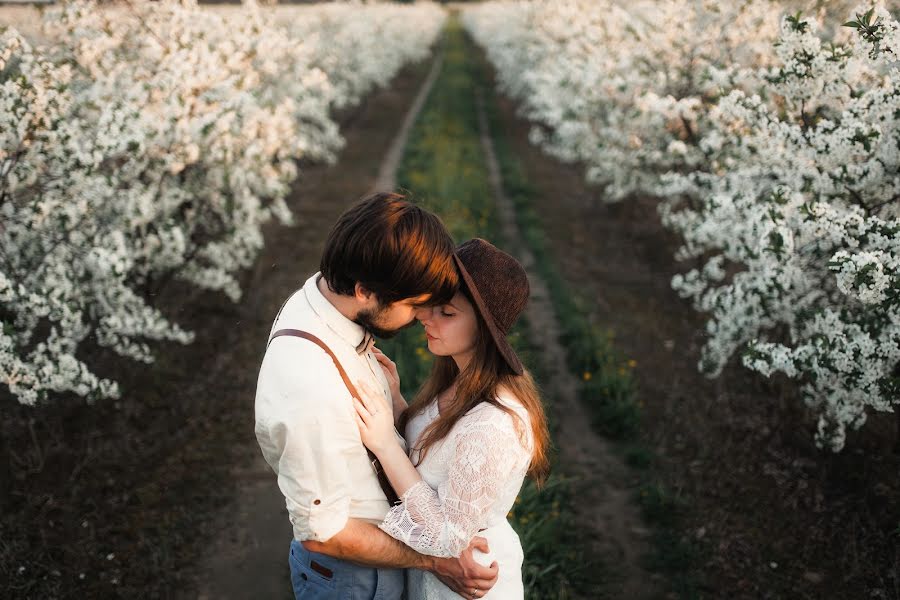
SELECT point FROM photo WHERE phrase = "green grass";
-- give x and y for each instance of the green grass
(607, 383)
(444, 169)
(608, 387)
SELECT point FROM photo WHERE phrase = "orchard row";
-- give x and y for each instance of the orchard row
(772, 140)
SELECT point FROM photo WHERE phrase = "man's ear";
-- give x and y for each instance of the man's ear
(362, 293)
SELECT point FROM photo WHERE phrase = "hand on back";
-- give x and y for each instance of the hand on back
(464, 575)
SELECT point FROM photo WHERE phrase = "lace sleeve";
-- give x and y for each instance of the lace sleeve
(486, 453)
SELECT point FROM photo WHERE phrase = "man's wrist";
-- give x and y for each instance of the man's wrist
(432, 564)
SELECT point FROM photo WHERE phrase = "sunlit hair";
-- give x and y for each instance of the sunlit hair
(485, 374)
(393, 248)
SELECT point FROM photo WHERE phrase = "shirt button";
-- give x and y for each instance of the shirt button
(317, 502)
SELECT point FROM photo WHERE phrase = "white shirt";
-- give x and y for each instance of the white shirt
(305, 418)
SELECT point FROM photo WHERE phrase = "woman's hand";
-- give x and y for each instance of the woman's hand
(374, 418)
(390, 371)
(393, 378)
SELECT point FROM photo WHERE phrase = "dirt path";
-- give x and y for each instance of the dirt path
(602, 493)
(387, 174)
(247, 552)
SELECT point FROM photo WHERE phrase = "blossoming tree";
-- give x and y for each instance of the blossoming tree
(773, 144)
(154, 141)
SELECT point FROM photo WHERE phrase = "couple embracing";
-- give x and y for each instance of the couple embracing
(390, 500)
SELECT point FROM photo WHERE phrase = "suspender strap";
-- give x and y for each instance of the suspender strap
(383, 480)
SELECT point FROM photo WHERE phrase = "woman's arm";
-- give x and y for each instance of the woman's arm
(399, 469)
(486, 455)
(456, 567)
(484, 459)
(376, 429)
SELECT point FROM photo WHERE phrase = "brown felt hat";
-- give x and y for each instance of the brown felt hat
(499, 287)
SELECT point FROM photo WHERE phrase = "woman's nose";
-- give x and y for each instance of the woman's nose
(423, 314)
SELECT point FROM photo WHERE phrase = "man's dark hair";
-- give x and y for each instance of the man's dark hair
(393, 248)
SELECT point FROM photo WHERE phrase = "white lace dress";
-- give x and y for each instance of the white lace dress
(470, 481)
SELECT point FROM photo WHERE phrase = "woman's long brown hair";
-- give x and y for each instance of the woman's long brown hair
(483, 377)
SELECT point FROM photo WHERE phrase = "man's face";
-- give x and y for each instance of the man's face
(385, 321)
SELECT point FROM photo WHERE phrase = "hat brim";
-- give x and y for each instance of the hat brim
(498, 336)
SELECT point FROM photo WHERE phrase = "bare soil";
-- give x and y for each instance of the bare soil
(781, 518)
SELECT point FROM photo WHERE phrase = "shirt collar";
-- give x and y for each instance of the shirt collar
(353, 333)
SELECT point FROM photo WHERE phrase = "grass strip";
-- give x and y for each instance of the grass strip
(445, 165)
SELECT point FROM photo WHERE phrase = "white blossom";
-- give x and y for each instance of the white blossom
(773, 142)
(152, 141)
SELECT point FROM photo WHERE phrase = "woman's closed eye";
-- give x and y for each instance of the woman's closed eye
(446, 314)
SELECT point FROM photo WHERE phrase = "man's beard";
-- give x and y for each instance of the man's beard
(369, 321)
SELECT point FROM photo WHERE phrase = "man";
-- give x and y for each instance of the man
(384, 259)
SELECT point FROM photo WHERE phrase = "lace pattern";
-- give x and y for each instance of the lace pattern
(486, 460)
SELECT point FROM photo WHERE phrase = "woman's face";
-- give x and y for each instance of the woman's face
(450, 328)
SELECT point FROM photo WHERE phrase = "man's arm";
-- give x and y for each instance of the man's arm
(363, 543)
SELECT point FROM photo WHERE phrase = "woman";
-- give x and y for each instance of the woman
(475, 429)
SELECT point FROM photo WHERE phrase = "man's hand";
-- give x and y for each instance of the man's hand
(464, 575)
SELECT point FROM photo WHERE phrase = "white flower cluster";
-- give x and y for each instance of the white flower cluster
(783, 178)
(621, 87)
(154, 140)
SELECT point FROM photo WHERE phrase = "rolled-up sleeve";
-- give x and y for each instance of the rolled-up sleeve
(305, 431)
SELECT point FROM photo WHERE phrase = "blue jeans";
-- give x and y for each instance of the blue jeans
(316, 576)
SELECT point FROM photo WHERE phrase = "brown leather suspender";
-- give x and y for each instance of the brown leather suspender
(383, 481)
